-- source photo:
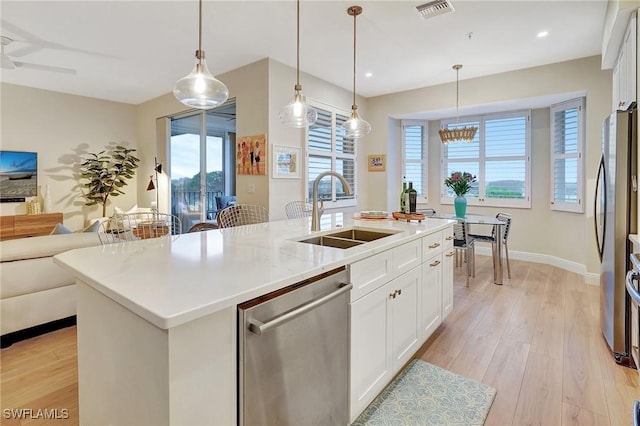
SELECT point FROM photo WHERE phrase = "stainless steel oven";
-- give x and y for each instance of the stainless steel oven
(293, 355)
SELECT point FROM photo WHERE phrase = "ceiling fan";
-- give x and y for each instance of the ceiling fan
(11, 64)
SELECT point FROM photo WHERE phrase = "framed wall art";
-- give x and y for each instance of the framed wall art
(286, 162)
(377, 163)
(251, 155)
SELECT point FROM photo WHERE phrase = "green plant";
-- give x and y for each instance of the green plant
(460, 182)
(107, 173)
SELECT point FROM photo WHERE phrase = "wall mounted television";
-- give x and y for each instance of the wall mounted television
(18, 175)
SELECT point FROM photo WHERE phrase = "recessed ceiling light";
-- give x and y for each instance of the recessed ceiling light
(543, 34)
(368, 74)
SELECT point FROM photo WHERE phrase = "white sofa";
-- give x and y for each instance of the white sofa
(34, 290)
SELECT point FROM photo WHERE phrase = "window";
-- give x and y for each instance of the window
(414, 155)
(499, 157)
(328, 149)
(567, 131)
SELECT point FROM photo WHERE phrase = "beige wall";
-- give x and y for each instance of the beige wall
(282, 78)
(249, 86)
(61, 128)
(261, 88)
(537, 230)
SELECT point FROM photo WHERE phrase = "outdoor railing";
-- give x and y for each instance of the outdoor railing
(191, 199)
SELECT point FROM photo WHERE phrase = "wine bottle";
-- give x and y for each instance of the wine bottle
(412, 198)
(403, 201)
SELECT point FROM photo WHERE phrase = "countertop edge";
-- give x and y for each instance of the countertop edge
(207, 308)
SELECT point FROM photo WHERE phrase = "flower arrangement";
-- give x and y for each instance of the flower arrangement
(460, 182)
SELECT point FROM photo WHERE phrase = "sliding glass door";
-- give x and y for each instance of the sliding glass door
(202, 148)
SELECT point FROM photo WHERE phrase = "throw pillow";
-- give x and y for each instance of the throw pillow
(118, 210)
(61, 229)
(94, 227)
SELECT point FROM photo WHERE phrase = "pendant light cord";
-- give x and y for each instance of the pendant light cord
(199, 54)
(354, 60)
(298, 45)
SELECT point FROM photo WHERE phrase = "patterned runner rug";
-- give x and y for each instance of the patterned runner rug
(423, 394)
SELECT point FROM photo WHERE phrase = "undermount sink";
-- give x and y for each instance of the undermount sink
(347, 238)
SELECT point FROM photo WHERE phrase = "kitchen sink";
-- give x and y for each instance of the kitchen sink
(347, 238)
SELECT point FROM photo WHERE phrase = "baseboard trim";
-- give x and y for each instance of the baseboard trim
(567, 265)
(9, 339)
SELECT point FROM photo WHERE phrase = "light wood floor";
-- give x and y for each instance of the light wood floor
(536, 339)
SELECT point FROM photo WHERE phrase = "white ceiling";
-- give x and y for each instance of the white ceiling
(133, 51)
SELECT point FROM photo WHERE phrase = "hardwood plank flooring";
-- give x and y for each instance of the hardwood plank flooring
(536, 340)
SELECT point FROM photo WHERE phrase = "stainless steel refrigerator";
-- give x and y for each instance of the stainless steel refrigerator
(615, 215)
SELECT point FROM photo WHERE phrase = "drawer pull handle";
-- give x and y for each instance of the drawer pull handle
(393, 295)
(436, 263)
(434, 245)
(449, 238)
(399, 292)
(451, 253)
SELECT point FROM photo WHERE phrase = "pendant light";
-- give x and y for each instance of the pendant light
(355, 127)
(298, 113)
(200, 89)
(459, 134)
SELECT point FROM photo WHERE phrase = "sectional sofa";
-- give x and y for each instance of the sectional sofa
(34, 292)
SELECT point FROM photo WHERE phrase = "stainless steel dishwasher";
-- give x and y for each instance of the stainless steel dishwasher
(293, 355)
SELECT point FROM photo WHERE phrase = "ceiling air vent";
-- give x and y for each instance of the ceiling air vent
(435, 8)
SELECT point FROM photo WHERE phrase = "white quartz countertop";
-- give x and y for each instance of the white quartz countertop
(173, 280)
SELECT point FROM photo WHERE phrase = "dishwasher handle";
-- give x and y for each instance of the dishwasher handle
(635, 295)
(259, 327)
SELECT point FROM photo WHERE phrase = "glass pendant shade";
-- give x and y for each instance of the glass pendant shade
(200, 89)
(298, 113)
(355, 127)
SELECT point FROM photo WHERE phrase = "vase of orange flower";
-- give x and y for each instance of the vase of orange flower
(460, 183)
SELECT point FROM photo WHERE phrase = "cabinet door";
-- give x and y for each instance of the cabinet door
(406, 257)
(368, 274)
(404, 316)
(430, 297)
(370, 348)
(447, 282)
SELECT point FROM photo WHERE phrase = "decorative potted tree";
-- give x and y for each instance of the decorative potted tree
(460, 183)
(107, 173)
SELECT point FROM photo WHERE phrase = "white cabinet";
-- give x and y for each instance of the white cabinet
(368, 274)
(406, 257)
(431, 296)
(393, 313)
(447, 281)
(625, 69)
(370, 348)
(403, 292)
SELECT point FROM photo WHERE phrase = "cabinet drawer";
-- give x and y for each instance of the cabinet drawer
(368, 274)
(447, 238)
(406, 257)
(431, 245)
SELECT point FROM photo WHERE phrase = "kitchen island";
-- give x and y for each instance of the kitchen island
(157, 321)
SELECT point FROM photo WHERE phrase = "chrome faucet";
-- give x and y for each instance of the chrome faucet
(315, 214)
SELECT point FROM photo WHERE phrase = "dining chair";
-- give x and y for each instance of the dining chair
(463, 242)
(202, 226)
(297, 209)
(224, 201)
(504, 217)
(242, 214)
(138, 226)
